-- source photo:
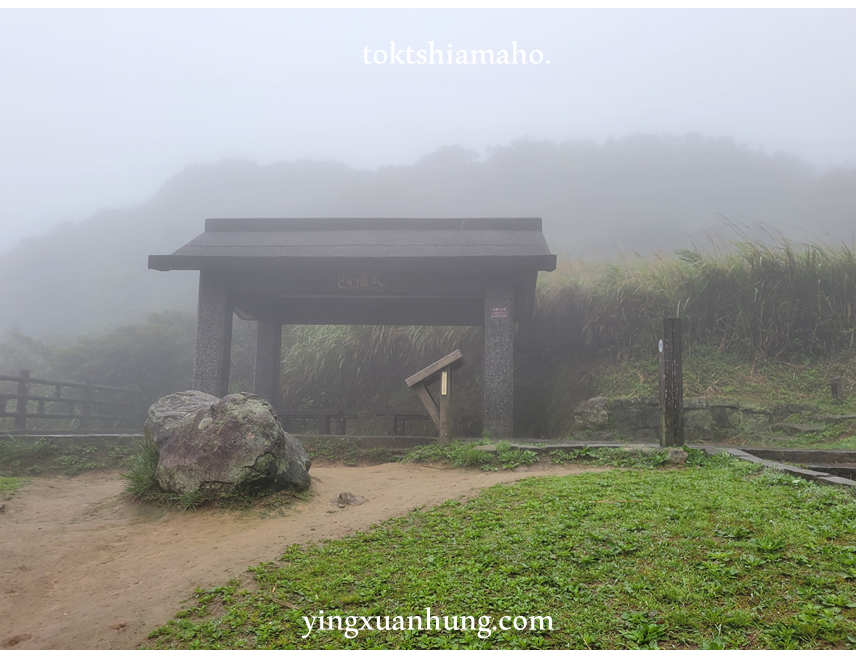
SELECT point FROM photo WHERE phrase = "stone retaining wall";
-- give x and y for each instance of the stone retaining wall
(704, 419)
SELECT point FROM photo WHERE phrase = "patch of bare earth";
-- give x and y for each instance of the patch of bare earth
(82, 568)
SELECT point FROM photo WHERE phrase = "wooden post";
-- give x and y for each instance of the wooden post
(23, 393)
(671, 385)
(390, 424)
(324, 424)
(837, 389)
(446, 418)
(86, 413)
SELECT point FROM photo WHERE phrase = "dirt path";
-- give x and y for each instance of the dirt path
(81, 568)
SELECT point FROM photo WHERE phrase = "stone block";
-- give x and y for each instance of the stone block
(626, 419)
(592, 414)
(801, 408)
(649, 417)
(755, 407)
(724, 403)
(725, 419)
(698, 419)
(756, 422)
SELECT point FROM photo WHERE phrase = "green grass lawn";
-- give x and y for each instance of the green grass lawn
(719, 555)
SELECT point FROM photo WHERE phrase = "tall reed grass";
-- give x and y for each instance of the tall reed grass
(334, 365)
(779, 300)
(763, 301)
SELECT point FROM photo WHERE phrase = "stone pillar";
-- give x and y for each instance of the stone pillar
(498, 375)
(268, 361)
(213, 335)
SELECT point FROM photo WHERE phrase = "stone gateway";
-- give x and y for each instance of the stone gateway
(447, 272)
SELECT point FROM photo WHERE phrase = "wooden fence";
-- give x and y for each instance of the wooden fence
(85, 403)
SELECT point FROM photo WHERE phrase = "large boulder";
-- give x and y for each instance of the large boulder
(233, 444)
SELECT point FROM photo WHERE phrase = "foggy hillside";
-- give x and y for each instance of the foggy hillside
(636, 194)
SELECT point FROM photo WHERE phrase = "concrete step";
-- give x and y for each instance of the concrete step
(815, 456)
(843, 470)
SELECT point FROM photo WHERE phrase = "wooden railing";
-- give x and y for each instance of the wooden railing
(85, 403)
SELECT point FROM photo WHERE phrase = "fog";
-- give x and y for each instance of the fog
(101, 107)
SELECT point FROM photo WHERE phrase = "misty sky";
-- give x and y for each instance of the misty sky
(100, 107)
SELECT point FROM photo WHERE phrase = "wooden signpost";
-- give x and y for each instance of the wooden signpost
(837, 389)
(671, 385)
(441, 413)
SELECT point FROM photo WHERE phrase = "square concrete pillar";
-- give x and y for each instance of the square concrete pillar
(213, 335)
(268, 362)
(498, 375)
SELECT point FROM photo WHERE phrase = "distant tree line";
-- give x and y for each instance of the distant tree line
(636, 194)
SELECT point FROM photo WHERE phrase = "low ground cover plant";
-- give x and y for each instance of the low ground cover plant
(8, 485)
(722, 554)
(22, 457)
(472, 454)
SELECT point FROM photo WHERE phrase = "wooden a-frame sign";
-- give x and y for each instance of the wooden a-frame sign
(441, 413)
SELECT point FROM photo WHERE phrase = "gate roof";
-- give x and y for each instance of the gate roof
(386, 244)
(368, 271)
